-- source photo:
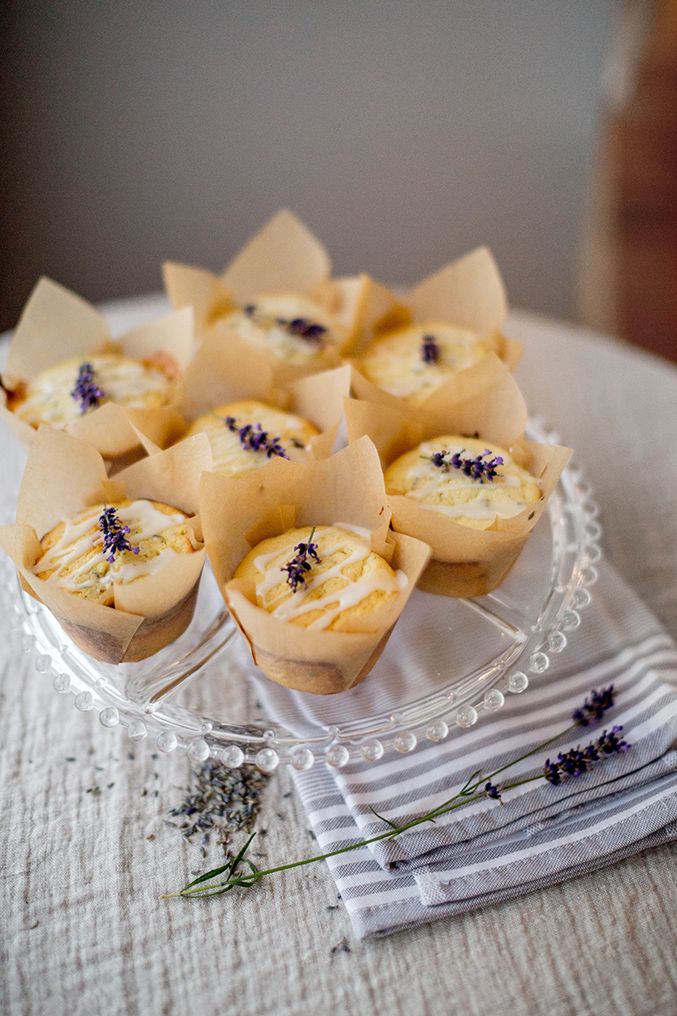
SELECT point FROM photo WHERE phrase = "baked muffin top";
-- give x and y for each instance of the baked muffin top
(292, 327)
(63, 393)
(112, 544)
(248, 434)
(344, 579)
(471, 481)
(412, 361)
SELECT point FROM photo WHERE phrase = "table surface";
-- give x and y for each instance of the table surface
(84, 930)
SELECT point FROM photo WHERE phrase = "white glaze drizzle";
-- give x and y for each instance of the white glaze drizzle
(82, 538)
(353, 593)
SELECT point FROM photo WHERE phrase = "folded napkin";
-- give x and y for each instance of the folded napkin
(542, 834)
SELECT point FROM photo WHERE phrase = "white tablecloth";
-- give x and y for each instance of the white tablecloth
(83, 930)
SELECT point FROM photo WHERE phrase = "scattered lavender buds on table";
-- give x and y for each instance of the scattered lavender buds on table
(255, 439)
(86, 391)
(114, 535)
(299, 565)
(430, 351)
(476, 468)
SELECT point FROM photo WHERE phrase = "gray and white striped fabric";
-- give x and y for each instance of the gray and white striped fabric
(542, 834)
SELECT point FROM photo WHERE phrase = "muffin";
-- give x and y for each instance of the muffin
(248, 434)
(293, 327)
(413, 361)
(112, 544)
(64, 393)
(324, 578)
(470, 481)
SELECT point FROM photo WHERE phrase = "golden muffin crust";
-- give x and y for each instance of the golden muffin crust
(136, 384)
(411, 362)
(73, 556)
(233, 454)
(292, 327)
(350, 581)
(470, 502)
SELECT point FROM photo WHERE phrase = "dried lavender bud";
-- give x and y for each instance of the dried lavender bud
(255, 439)
(299, 565)
(86, 390)
(114, 535)
(303, 328)
(577, 761)
(492, 791)
(594, 706)
(476, 468)
(430, 351)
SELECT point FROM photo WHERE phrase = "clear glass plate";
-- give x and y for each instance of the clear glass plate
(447, 663)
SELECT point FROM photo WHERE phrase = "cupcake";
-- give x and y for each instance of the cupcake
(110, 545)
(307, 565)
(246, 435)
(326, 578)
(229, 393)
(117, 562)
(461, 476)
(464, 480)
(64, 370)
(412, 361)
(278, 296)
(440, 328)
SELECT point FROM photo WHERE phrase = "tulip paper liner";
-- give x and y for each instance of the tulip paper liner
(57, 325)
(238, 513)
(468, 293)
(283, 256)
(64, 476)
(229, 372)
(485, 402)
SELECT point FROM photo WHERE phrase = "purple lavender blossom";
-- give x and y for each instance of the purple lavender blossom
(479, 468)
(430, 351)
(298, 567)
(114, 535)
(492, 791)
(594, 707)
(255, 439)
(86, 391)
(579, 760)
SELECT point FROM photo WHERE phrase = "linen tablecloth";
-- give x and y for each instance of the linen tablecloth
(81, 924)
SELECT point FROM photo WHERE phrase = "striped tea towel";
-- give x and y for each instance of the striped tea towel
(543, 834)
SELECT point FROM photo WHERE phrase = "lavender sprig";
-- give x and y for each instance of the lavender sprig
(114, 535)
(255, 439)
(575, 762)
(594, 707)
(479, 468)
(302, 327)
(299, 566)
(86, 391)
(430, 351)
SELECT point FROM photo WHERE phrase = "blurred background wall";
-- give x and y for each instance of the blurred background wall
(403, 132)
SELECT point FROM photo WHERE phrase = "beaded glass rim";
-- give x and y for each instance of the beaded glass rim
(457, 704)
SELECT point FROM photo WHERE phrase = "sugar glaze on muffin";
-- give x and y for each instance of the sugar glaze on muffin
(475, 502)
(292, 327)
(73, 555)
(411, 362)
(237, 451)
(49, 397)
(349, 582)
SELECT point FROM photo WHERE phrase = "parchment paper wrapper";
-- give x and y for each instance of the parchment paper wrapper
(238, 514)
(485, 402)
(65, 475)
(228, 372)
(57, 325)
(468, 292)
(284, 256)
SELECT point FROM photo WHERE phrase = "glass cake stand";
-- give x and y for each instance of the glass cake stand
(448, 663)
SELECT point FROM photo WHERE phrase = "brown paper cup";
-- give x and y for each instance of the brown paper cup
(228, 372)
(65, 475)
(486, 403)
(57, 325)
(238, 514)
